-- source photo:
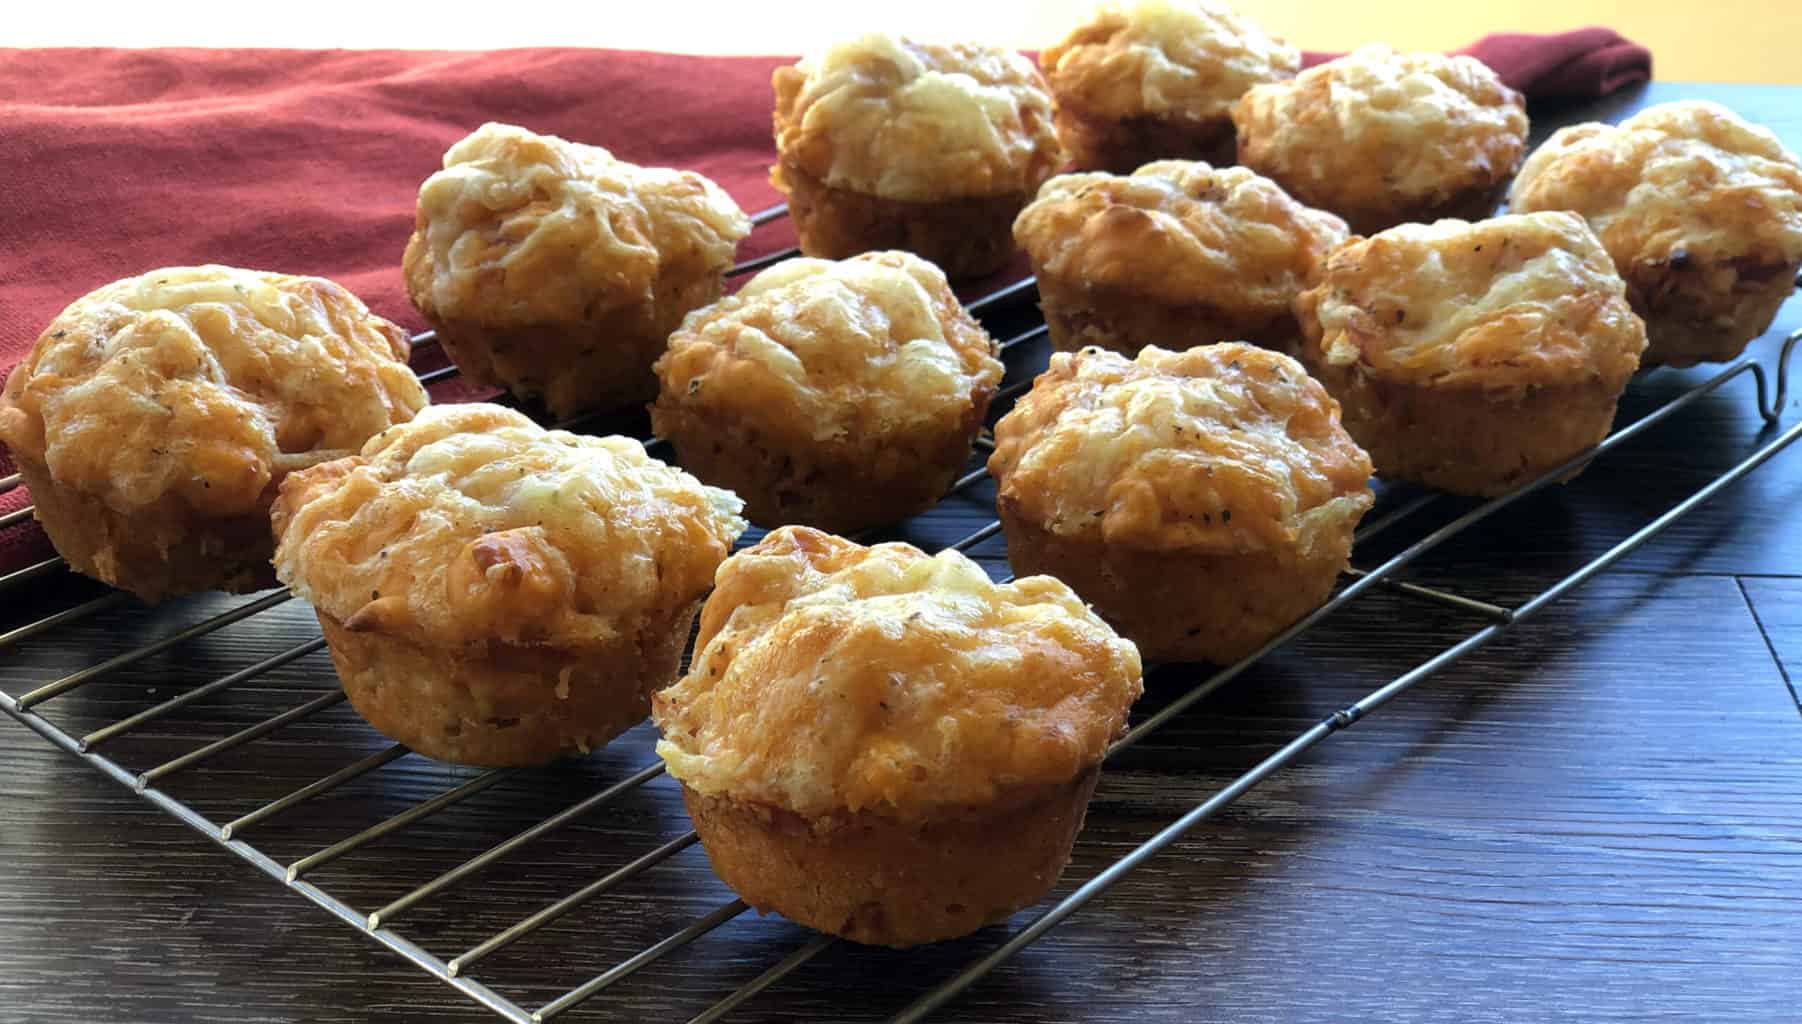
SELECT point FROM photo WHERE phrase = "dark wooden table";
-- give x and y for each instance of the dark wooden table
(1599, 817)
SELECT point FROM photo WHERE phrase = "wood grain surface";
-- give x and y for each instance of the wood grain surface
(1597, 818)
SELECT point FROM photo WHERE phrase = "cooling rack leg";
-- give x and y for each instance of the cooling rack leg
(1774, 409)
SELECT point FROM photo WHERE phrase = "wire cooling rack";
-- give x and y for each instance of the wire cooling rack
(461, 969)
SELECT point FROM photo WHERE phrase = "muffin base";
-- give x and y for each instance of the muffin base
(966, 236)
(874, 880)
(156, 552)
(1692, 318)
(1079, 316)
(1177, 605)
(840, 488)
(604, 363)
(501, 705)
(1121, 145)
(1467, 440)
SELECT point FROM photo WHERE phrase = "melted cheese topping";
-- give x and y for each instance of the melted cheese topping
(904, 120)
(1171, 58)
(206, 385)
(1690, 178)
(834, 677)
(834, 350)
(1418, 124)
(1223, 448)
(1183, 232)
(1504, 303)
(521, 229)
(473, 523)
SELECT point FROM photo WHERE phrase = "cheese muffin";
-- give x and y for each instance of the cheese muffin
(155, 417)
(1202, 500)
(1175, 254)
(1157, 79)
(1381, 138)
(836, 394)
(887, 746)
(495, 593)
(885, 143)
(1473, 357)
(1701, 211)
(556, 271)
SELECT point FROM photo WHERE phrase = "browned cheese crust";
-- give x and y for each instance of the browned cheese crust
(1381, 138)
(556, 271)
(1176, 254)
(1201, 500)
(1157, 79)
(495, 593)
(1473, 357)
(888, 746)
(885, 143)
(840, 395)
(1701, 212)
(155, 417)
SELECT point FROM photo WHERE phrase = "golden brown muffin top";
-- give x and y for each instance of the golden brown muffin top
(1227, 448)
(1417, 124)
(521, 229)
(472, 524)
(890, 117)
(1191, 59)
(1690, 178)
(1502, 304)
(831, 677)
(205, 385)
(833, 350)
(1182, 232)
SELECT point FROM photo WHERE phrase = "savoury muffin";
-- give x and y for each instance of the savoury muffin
(1381, 138)
(1175, 254)
(556, 271)
(1701, 212)
(1157, 79)
(1473, 357)
(156, 416)
(887, 746)
(885, 143)
(1201, 500)
(497, 594)
(836, 394)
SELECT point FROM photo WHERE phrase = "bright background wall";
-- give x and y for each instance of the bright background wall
(1701, 40)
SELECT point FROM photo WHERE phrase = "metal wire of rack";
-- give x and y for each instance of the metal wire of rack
(378, 924)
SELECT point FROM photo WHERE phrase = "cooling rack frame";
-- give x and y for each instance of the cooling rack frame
(377, 924)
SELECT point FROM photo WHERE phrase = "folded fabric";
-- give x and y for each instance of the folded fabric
(309, 161)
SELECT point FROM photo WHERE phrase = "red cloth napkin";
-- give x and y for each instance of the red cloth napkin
(120, 161)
